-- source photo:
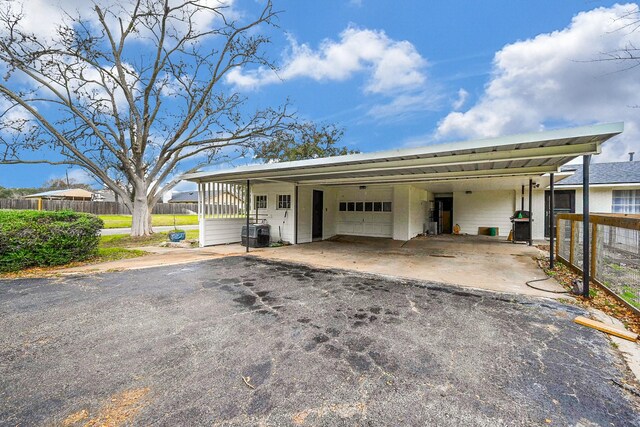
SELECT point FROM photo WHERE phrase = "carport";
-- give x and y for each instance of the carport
(389, 194)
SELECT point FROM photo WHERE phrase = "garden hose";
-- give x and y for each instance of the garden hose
(529, 284)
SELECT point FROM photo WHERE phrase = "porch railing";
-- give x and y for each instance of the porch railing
(614, 243)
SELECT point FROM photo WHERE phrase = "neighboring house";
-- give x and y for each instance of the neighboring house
(398, 193)
(105, 195)
(615, 187)
(68, 194)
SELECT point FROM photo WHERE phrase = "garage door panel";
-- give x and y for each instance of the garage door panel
(365, 223)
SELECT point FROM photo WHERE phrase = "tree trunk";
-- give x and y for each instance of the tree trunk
(141, 217)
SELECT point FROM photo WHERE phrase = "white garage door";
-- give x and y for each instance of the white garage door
(367, 212)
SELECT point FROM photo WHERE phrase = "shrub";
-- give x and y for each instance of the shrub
(39, 238)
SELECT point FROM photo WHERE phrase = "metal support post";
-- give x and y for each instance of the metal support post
(295, 216)
(530, 212)
(586, 252)
(552, 222)
(248, 207)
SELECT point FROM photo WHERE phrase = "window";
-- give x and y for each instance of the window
(365, 206)
(626, 201)
(284, 201)
(260, 201)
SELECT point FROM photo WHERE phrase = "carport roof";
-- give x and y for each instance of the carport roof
(531, 154)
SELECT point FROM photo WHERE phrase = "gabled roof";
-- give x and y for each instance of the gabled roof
(68, 193)
(184, 197)
(532, 154)
(605, 173)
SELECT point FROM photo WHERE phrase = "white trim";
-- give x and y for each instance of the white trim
(552, 148)
(613, 186)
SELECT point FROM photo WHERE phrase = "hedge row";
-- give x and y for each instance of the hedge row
(40, 238)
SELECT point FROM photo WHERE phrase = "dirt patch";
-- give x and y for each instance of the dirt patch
(75, 418)
(599, 299)
(120, 410)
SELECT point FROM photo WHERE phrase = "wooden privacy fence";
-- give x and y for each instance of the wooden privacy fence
(614, 245)
(97, 208)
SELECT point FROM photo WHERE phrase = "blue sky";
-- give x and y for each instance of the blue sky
(398, 74)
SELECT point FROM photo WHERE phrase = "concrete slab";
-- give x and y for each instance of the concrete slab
(473, 261)
(479, 262)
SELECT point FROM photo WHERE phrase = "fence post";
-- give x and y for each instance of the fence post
(557, 231)
(572, 243)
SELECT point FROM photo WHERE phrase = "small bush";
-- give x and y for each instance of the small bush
(39, 238)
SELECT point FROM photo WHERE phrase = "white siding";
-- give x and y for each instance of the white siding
(600, 200)
(305, 214)
(418, 207)
(218, 231)
(483, 209)
(280, 220)
(537, 210)
(375, 224)
(330, 212)
(401, 212)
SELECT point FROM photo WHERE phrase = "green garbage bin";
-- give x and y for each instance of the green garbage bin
(493, 231)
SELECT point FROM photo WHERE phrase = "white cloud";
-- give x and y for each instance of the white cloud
(76, 176)
(392, 66)
(463, 95)
(552, 80)
(43, 16)
(406, 103)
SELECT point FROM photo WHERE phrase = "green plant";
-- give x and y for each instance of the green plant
(34, 239)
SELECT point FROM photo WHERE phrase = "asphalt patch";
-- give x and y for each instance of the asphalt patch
(318, 347)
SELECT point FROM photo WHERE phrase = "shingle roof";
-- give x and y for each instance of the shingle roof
(184, 197)
(605, 173)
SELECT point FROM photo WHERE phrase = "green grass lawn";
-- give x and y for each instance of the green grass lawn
(126, 241)
(124, 221)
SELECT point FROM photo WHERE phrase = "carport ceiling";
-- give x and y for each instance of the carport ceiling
(532, 154)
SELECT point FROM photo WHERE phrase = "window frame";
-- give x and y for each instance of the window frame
(625, 201)
(280, 201)
(255, 201)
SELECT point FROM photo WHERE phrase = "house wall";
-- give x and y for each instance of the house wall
(281, 220)
(418, 207)
(487, 208)
(483, 209)
(305, 214)
(330, 212)
(401, 206)
(218, 231)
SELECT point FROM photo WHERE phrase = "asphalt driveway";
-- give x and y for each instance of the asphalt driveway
(243, 341)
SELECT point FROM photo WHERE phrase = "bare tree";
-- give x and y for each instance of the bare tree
(629, 55)
(133, 93)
